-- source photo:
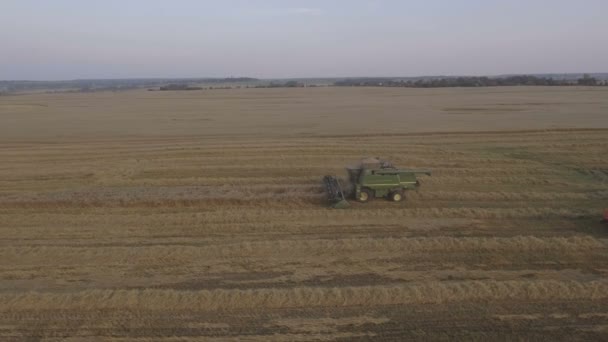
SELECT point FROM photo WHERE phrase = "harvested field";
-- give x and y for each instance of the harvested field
(208, 220)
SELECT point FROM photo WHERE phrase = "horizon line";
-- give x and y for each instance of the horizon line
(293, 78)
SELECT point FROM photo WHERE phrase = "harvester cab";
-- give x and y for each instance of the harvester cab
(371, 178)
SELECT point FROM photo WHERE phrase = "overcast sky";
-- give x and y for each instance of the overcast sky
(68, 39)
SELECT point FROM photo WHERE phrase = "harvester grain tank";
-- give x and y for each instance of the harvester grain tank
(371, 178)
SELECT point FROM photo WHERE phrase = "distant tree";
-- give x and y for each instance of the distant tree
(175, 87)
(293, 84)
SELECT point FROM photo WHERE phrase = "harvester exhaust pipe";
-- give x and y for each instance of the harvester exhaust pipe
(335, 195)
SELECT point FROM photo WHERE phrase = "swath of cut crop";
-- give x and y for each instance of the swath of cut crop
(391, 246)
(431, 292)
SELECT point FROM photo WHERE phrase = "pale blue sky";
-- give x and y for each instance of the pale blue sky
(67, 39)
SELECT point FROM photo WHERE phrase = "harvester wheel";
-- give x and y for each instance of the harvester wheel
(365, 195)
(396, 196)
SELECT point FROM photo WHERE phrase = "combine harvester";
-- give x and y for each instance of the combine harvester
(372, 178)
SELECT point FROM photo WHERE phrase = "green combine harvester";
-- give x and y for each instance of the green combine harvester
(372, 178)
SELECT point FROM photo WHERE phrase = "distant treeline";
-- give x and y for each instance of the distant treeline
(111, 84)
(519, 80)
(273, 84)
(179, 87)
(92, 85)
(288, 84)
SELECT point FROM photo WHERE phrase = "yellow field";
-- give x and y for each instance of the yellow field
(181, 215)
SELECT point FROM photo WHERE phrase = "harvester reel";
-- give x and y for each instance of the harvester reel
(335, 195)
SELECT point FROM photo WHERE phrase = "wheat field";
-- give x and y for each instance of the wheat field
(147, 216)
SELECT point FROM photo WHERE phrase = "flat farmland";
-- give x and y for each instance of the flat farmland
(188, 215)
